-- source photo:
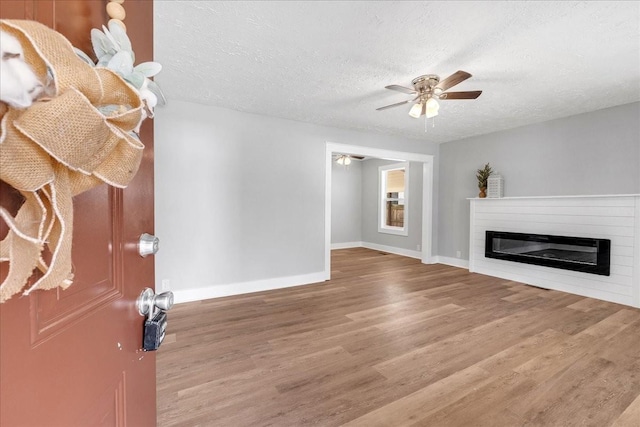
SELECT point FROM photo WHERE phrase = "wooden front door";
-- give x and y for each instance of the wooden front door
(73, 357)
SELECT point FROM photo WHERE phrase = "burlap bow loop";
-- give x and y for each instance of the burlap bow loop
(59, 147)
(24, 166)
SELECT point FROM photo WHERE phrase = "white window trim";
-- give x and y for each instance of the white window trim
(382, 227)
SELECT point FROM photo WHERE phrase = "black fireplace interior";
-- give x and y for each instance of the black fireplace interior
(570, 253)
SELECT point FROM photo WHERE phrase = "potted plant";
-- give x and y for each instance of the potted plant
(482, 175)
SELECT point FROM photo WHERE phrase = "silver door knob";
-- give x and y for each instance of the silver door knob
(148, 245)
(148, 302)
(163, 301)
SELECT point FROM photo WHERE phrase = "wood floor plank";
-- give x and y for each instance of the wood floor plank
(390, 341)
(522, 351)
(473, 345)
(576, 399)
(630, 416)
(479, 406)
(413, 407)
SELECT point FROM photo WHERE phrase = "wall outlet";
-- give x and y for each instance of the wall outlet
(417, 247)
(166, 284)
(458, 254)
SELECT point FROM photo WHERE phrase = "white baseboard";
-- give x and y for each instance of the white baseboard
(346, 245)
(454, 262)
(217, 291)
(384, 248)
(393, 250)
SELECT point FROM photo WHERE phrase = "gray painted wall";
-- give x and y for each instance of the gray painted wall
(370, 207)
(346, 203)
(240, 197)
(592, 153)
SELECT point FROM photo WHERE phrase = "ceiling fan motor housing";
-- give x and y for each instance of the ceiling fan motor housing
(422, 83)
(426, 86)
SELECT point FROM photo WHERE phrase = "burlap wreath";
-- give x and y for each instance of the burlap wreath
(58, 148)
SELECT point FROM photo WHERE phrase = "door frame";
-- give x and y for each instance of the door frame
(427, 192)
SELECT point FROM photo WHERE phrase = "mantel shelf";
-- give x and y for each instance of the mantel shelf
(555, 197)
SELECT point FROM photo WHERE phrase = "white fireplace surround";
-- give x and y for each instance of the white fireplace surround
(614, 217)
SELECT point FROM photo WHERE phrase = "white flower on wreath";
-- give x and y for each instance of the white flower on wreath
(113, 50)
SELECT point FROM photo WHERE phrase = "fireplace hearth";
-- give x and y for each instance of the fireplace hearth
(582, 254)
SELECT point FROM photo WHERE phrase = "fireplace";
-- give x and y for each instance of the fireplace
(569, 253)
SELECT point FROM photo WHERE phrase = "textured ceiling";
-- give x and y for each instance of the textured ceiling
(328, 62)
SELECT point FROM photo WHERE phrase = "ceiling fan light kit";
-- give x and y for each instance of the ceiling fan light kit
(428, 89)
(343, 160)
(432, 108)
(416, 111)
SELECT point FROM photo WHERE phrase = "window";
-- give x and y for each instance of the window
(394, 198)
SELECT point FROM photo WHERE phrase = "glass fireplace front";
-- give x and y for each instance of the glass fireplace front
(570, 253)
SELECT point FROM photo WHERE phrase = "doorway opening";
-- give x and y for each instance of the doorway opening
(427, 192)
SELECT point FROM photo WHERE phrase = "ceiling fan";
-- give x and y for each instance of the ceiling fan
(428, 89)
(345, 159)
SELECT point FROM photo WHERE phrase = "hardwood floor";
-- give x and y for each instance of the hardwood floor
(392, 342)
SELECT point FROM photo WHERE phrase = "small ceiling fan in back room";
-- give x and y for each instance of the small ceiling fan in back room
(345, 159)
(428, 90)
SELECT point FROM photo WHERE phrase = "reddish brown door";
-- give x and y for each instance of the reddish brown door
(72, 357)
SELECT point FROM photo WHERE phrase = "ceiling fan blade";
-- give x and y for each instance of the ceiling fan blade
(401, 89)
(392, 105)
(357, 157)
(473, 94)
(455, 78)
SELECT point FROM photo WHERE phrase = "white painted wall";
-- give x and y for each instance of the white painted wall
(240, 198)
(593, 153)
(346, 203)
